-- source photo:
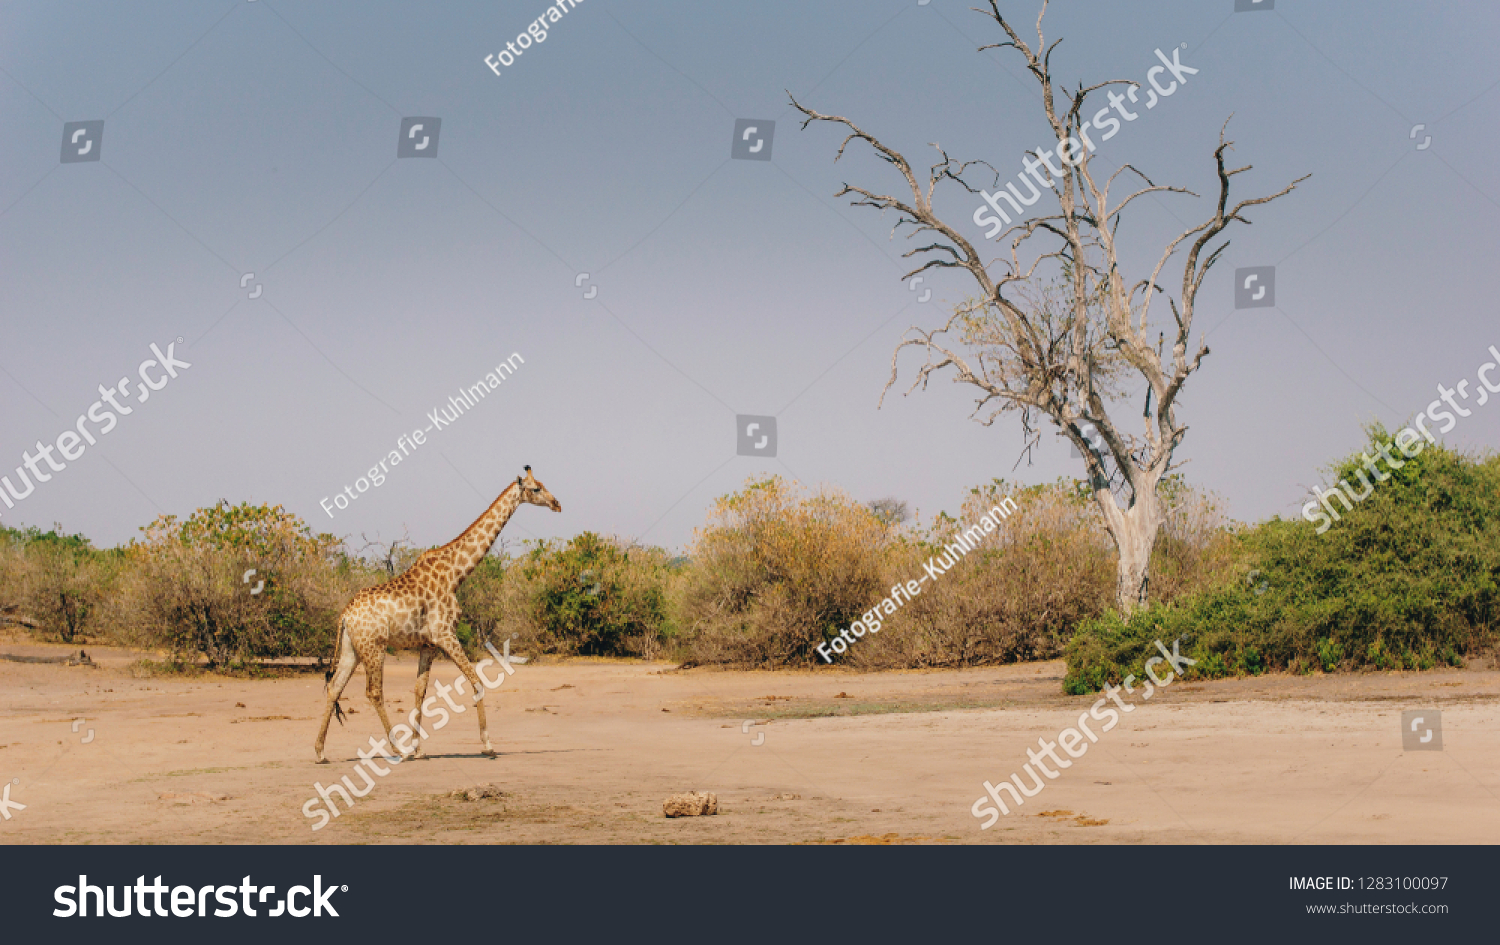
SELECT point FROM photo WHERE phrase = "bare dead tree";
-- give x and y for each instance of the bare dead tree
(390, 555)
(1056, 329)
(890, 510)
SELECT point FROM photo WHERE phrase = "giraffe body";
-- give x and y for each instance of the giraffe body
(419, 610)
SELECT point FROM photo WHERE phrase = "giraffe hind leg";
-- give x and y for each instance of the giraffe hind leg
(374, 660)
(348, 660)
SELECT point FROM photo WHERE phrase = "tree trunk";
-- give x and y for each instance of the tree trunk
(1134, 531)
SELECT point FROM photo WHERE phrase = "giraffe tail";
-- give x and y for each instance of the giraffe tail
(338, 710)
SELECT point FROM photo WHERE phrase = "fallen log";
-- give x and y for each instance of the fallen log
(8, 616)
(79, 659)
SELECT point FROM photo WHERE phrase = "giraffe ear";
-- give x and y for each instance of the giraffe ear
(518, 480)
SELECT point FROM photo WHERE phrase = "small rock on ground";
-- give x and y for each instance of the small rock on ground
(478, 792)
(693, 804)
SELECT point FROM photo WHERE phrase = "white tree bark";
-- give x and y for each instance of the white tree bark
(1065, 362)
(1134, 531)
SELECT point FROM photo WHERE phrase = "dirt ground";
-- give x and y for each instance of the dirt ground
(589, 749)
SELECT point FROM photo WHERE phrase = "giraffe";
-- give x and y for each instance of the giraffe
(419, 610)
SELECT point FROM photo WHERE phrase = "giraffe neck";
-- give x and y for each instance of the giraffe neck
(467, 550)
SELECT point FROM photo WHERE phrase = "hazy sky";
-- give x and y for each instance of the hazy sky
(261, 137)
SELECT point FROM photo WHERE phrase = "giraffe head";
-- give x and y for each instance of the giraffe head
(534, 492)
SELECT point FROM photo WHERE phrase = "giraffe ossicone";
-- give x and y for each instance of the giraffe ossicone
(419, 610)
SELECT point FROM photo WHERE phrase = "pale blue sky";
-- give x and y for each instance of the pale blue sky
(260, 137)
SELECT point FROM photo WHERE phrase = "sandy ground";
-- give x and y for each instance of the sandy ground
(590, 749)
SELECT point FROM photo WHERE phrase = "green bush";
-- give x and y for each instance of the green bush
(589, 595)
(1409, 578)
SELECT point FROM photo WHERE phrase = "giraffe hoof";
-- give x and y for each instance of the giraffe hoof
(322, 761)
(420, 756)
(490, 753)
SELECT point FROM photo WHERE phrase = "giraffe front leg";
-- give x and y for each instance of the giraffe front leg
(467, 669)
(484, 726)
(424, 666)
(454, 650)
(441, 622)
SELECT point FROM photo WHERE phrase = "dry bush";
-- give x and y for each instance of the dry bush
(493, 603)
(13, 568)
(64, 589)
(185, 589)
(1017, 596)
(777, 571)
(1195, 550)
(53, 584)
